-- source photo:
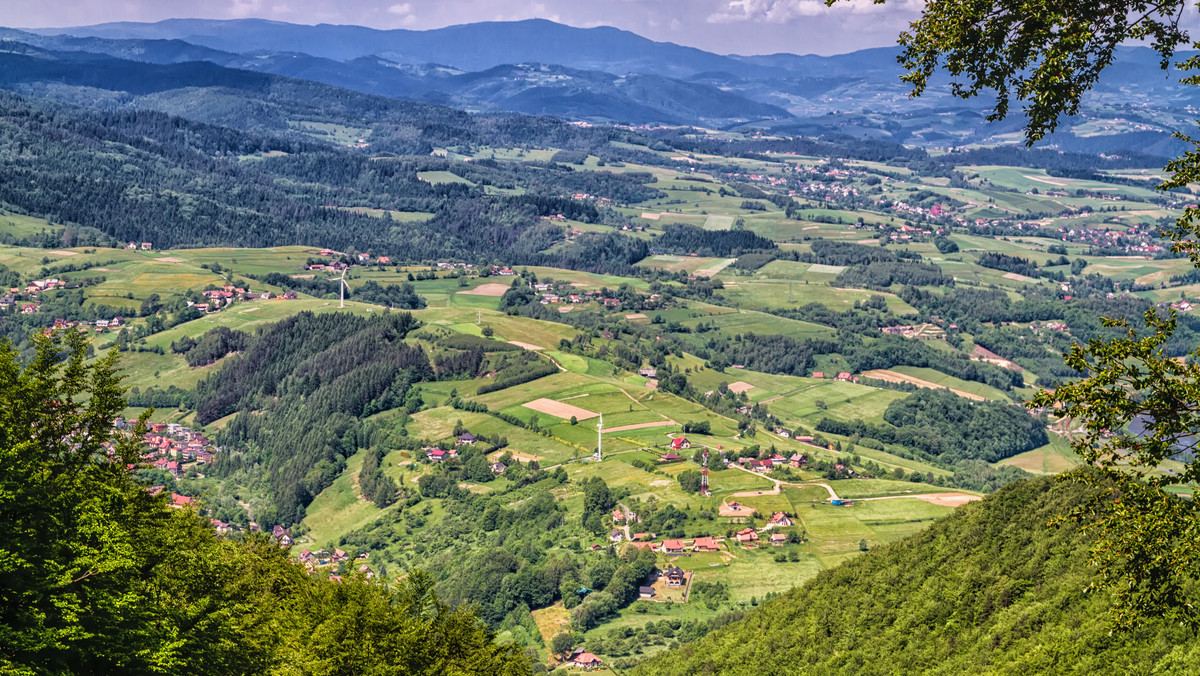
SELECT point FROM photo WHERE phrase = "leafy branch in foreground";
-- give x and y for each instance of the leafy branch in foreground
(1137, 408)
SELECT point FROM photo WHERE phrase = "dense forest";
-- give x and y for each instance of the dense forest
(990, 587)
(949, 428)
(300, 391)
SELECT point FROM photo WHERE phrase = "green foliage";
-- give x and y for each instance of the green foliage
(1047, 64)
(301, 390)
(1133, 407)
(102, 577)
(987, 588)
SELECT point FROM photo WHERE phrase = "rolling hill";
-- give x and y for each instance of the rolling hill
(989, 589)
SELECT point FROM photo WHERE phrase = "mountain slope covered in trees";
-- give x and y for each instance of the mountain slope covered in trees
(991, 589)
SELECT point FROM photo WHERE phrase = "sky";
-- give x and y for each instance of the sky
(721, 26)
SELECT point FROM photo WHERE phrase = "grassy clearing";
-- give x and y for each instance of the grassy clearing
(1053, 458)
(339, 509)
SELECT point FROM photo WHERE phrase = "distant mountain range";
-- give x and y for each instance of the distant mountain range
(533, 88)
(610, 75)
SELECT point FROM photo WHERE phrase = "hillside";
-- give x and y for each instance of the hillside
(989, 589)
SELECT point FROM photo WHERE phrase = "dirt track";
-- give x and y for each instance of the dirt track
(944, 499)
(559, 409)
(894, 377)
(641, 426)
(495, 290)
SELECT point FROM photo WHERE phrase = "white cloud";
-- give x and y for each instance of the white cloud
(405, 11)
(784, 11)
(241, 9)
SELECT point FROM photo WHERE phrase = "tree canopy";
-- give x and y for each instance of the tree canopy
(99, 576)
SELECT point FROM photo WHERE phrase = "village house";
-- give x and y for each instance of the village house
(339, 556)
(778, 539)
(675, 576)
(680, 443)
(616, 536)
(746, 536)
(797, 460)
(281, 536)
(437, 455)
(670, 456)
(497, 468)
(586, 661)
(648, 372)
(706, 544)
(672, 546)
(646, 592)
(780, 520)
(466, 439)
(181, 501)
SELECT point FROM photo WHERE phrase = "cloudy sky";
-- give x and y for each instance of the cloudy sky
(723, 26)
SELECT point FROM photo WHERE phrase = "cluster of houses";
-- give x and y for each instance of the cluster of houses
(747, 537)
(100, 325)
(1134, 240)
(764, 465)
(1049, 326)
(226, 295)
(25, 300)
(358, 259)
(919, 332)
(172, 447)
(437, 454)
(587, 196)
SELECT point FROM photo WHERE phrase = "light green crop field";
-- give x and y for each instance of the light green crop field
(758, 294)
(440, 177)
(941, 379)
(398, 216)
(842, 400)
(1053, 458)
(835, 532)
(19, 225)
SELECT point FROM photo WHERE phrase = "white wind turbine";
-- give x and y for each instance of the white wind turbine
(599, 437)
(342, 286)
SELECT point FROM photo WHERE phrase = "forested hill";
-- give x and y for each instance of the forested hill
(990, 589)
(146, 176)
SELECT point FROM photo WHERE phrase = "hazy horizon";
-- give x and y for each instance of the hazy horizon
(745, 27)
